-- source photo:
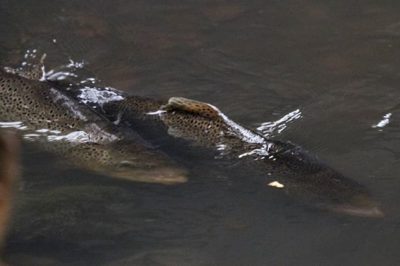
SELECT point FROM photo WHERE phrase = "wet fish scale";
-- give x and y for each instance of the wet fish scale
(64, 127)
(199, 129)
(296, 171)
(33, 103)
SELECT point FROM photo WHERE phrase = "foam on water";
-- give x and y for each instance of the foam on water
(99, 96)
(73, 137)
(243, 133)
(55, 135)
(17, 125)
(384, 122)
(279, 125)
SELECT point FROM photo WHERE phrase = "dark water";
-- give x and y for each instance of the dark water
(336, 61)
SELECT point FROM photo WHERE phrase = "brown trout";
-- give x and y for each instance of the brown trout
(287, 166)
(65, 127)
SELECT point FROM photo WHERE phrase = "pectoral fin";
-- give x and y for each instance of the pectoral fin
(192, 106)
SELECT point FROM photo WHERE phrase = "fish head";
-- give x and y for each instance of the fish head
(133, 162)
(146, 172)
(362, 205)
(140, 164)
(344, 196)
(312, 182)
(337, 193)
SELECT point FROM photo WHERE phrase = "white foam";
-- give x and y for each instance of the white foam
(66, 72)
(99, 96)
(31, 137)
(78, 136)
(384, 122)
(261, 152)
(73, 137)
(46, 130)
(88, 80)
(17, 125)
(279, 125)
(43, 77)
(158, 112)
(50, 135)
(75, 64)
(221, 147)
(59, 75)
(243, 133)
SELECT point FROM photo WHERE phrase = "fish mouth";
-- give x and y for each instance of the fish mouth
(360, 205)
(371, 212)
(164, 176)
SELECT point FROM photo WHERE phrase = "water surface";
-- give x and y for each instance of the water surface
(337, 62)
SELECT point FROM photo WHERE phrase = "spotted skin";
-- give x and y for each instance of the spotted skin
(302, 174)
(193, 107)
(184, 121)
(41, 106)
(32, 71)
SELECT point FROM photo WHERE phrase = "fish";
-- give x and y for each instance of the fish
(59, 124)
(286, 166)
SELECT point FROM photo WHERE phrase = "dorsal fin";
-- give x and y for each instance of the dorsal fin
(192, 106)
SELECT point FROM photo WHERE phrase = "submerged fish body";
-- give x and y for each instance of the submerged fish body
(65, 127)
(205, 126)
(304, 176)
(289, 167)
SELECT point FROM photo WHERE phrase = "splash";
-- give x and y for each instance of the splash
(269, 128)
(261, 153)
(99, 96)
(384, 122)
(17, 125)
(264, 147)
(65, 72)
(243, 133)
(89, 93)
(91, 132)
(74, 137)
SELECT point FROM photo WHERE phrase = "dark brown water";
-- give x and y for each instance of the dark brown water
(338, 62)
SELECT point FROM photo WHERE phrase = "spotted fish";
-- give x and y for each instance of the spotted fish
(289, 167)
(62, 126)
